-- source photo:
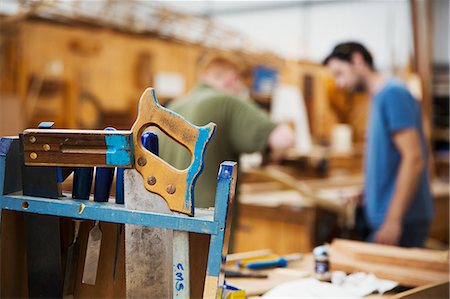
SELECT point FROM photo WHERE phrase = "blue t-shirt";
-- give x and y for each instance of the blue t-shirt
(393, 109)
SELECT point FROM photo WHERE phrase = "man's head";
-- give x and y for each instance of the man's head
(350, 63)
(223, 72)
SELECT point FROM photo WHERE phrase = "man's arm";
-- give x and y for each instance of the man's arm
(412, 163)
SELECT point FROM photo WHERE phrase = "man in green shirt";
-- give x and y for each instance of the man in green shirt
(241, 126)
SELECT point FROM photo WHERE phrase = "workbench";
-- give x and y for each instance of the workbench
(304, 268)
(272, 215)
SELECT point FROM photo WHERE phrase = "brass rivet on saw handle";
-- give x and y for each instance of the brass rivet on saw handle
(32, 139)
(171, 189)
(46, 147)
(151, 180)
(33, 155)
(142, 161)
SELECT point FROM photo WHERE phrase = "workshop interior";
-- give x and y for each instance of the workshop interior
(224, 149)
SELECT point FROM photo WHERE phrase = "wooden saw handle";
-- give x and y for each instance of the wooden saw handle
(174, 185)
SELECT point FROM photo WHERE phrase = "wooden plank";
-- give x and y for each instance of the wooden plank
(392, 255)
(437, 290)
(404, 275)
(421, 16)
(309, 195)
(412, 267)
(282, 229)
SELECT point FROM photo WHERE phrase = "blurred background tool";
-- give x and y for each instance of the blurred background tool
(269, 261)
(247, 274)
(233, 257)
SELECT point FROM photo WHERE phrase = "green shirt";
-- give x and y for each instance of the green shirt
(241, 128)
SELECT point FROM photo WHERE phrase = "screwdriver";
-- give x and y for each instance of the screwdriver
(268, 261)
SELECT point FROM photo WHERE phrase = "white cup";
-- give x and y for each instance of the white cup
(341, 138)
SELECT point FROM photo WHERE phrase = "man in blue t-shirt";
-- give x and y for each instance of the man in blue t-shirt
(397, 202)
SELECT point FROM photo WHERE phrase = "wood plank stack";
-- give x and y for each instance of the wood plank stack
(408, 266)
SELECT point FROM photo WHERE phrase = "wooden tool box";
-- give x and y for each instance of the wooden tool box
(211, 225)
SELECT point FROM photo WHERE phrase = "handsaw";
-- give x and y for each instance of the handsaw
(124, 149)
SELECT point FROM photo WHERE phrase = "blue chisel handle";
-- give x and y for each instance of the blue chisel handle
(82, 182)
(59, 180)
(256, 265)
(120, 192)
(103, 180)
(150, 142)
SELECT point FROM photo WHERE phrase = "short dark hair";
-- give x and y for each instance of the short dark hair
(344, 51)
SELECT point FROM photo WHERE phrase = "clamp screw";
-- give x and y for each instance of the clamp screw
(46, 147)
(33, 155)
(171, 189)
(142, 161)
(151, 180)
(32, 139)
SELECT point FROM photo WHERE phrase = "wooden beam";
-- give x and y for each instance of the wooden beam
(421, 17)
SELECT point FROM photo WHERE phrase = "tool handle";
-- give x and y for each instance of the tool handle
(175, 186)
(256, 265)
(120, 192)
(82, 182)
(231, 273)
(103, 180)
(59, 180)
(150, 142)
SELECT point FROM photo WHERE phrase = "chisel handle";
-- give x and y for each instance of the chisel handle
(150, 142)
(103, 180)
(120, 192)
(278, 262)
(82, 182)
(59, 180)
